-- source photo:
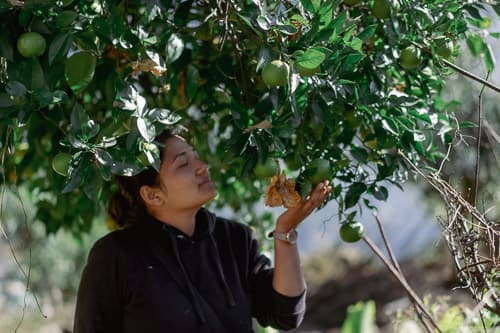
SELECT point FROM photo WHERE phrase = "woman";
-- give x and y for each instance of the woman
(176, 267)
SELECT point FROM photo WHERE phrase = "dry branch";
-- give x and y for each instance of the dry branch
(472, 239)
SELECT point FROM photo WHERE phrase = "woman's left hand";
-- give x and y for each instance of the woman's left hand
(294, 216)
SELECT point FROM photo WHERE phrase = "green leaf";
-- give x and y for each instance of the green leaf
(263, 23)
(311, 6)
(353, 59)
(326, 13)
(125, 169)
(75, 179)
(287, 29)
(78, 117)
(146, 129)
(356, 44)
(380, 192)
(353, 194)
(153, 155)
(390, 125)
(311, 58)
(103, 157)
(65, 18)
(192, 81)
(79, 70)
(263, 58)
(475, 44)
(360, 318)
(90, 129)
(37, 76)
(173, 48)
(59, 47)
(102, 29)
(15, 88)
(367, 32)
(489, 58)
(467, 124)
(165, 116)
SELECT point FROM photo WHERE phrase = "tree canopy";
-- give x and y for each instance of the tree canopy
(342, 87)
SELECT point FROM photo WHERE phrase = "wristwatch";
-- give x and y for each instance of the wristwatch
(290, 237)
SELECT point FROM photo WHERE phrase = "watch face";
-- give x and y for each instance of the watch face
(292, 236)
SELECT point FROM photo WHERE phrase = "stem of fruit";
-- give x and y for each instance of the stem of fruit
(395, 264)
(400, 278)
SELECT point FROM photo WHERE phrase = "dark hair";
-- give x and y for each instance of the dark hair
(126, 206)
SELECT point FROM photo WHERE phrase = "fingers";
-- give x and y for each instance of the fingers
(318, 195)
(296, 215)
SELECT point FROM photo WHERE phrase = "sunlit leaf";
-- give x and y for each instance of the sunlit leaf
(173, 48)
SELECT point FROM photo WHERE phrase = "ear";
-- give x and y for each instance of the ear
(151, 195)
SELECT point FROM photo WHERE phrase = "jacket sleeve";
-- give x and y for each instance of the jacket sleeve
(98, 306)
(271, 308)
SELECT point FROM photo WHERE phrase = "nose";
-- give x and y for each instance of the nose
(202, 168)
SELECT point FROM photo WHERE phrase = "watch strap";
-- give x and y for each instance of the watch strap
(289, 237)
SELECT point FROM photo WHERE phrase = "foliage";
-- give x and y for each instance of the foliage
(452, 318)
(116, 72)
(360, 318)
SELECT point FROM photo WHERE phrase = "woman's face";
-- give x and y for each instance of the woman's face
(184, 178)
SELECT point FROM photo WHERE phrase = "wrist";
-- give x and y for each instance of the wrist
(283, 226)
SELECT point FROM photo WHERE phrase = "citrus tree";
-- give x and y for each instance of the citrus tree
(326, 89)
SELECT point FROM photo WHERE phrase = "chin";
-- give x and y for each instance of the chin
(209, 194)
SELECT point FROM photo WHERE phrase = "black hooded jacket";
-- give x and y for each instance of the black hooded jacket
(153, 278)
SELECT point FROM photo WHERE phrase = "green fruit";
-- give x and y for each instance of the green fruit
(275, 73)
(381, 9)
(351, 232)
(321, 170)
(31, 44)
(60, 163)
(443, 48)
(267, 169)
(410, 58)
(351, 2)
(305, 189)
(304, 71)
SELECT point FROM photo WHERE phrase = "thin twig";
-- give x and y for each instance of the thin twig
(478, 142)
(396, 265)
(460, 69)
(471, 76)
(403, 282)
(4, 233)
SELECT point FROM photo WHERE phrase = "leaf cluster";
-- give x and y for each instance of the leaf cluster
(116, 73)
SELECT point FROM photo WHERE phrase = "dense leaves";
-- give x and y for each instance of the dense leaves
(115, 73)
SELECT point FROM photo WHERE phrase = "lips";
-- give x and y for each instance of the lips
(205, 181)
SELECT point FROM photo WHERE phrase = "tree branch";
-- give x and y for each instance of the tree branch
(401, 279)
(398, 268)
(471, 75)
